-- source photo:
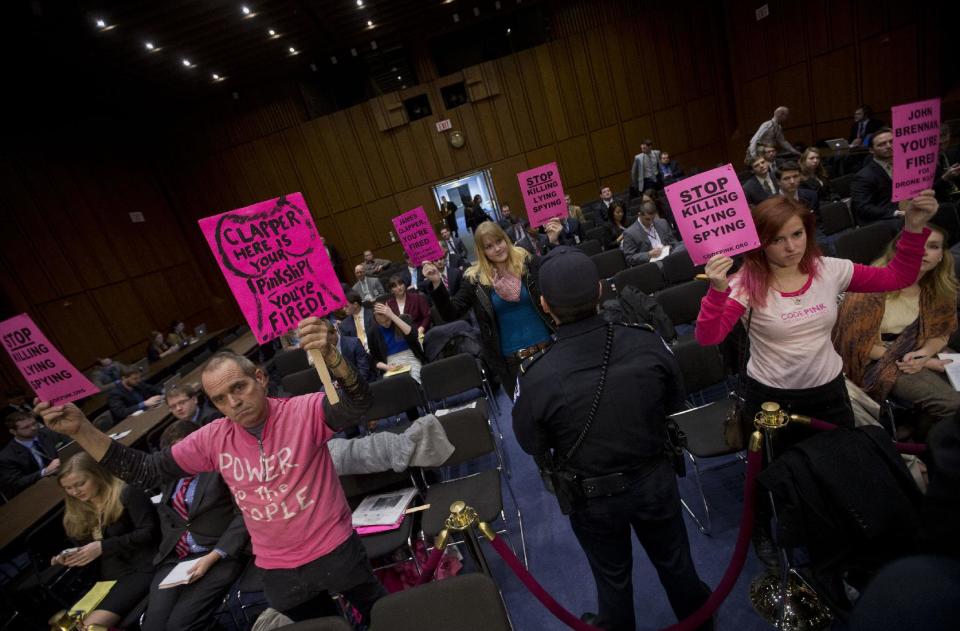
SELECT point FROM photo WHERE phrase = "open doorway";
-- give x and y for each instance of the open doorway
(464, 189)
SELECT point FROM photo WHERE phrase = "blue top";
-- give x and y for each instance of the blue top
(520, 324)
(395, 343)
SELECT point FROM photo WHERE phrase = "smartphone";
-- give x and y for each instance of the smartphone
(69, 551)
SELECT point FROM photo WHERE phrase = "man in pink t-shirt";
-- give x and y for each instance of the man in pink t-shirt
(272, 454)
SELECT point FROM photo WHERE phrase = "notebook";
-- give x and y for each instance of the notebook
(179, 574)
(384, 509)
(952, 369)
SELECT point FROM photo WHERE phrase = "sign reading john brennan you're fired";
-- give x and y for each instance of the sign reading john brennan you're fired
(275, 264)
(47, 371)
(916, 144)
(542, 194)
(712, 214)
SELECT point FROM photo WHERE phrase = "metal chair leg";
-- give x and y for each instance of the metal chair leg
(704, 529)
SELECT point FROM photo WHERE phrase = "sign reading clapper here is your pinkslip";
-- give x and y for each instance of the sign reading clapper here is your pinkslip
(417, 237)
(916, 144)
(275, 264)
(47, 371)
(542, 194)
(712, 214)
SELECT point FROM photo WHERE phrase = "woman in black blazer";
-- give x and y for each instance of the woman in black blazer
(118, 527)
(814, 176)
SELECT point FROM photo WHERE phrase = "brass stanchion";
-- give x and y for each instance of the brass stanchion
(786, 601)
(464, 519)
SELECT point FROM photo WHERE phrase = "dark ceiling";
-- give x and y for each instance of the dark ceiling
(64, 60)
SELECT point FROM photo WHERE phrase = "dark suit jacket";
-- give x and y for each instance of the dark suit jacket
(352, 350)
(347, 326)
(870, 193)
(636, 244)
(18, 467)
(456, 261)
(123, 402)
(416, 307)
(378, 346)
(214, 520)
(675, 173)
(130, 543)
(872, 127)
(509, 226)
(809, 198)
(821, 187)
(755, 192)
(527, 244)
(408, 279)
(571, 231)
(458, 247)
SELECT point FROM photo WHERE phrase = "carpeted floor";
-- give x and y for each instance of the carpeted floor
(558, 563)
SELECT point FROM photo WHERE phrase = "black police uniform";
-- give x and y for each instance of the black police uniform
(627, 436)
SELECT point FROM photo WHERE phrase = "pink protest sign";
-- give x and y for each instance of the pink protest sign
(712, 214)
(417, 237)
(916, 143)
(46, 370)
(542, 194)
(275, 264)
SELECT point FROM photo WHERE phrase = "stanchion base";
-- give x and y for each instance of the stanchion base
(800, 607)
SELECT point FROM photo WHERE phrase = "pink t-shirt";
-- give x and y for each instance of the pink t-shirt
(794, 328)
(289, 493)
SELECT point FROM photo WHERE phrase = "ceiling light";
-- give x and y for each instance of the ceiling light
(359, 3)
(150, 46)
(246, 10)
(394, 69)
(370, 23)
(101, 23)
(456, 17)
(333, 60)
(215, 76)
(508, 31)
(353, 52)
(373, 44)
(186, 62)
(292, 49)
(399, 78)
(272, 33)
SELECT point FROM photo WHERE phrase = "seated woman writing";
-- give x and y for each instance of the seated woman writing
(394, 343)
(118, 525)
(889, 342)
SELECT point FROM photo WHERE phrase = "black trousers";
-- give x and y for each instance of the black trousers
(302, 593)
(189, 607)
(652, 509)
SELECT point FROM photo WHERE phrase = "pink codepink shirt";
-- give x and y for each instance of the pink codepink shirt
(790, 336)
(288, 491)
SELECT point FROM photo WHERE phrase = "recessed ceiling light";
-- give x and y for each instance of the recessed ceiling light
(353, 52)
(215, 76)
(370, 23)
(150, 46)
(292, 49)
(508, 31)
(272, 33)
(456, 17)
(246, 10)
(359, 3)
(399, 78)
(186, 62)
(333, 60)
(101, 23)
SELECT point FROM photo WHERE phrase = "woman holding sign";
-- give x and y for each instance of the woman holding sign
(118, 526)
(501, 290)
(786, 295)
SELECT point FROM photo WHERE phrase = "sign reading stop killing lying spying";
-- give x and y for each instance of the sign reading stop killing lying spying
(542, 194)
(712, 214)
(275, 264)
(417, 237)
(46, 370)
(916, 144)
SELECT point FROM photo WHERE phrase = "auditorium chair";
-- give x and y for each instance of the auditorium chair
(682, 304)
(841, 185)
(381, 544)
(590, 247)
(290, 361)
(835, 217)
(678, 267)
(647, 278)
(393, 395)
(469, 602)
(866, 244)
(609, 263)
(595, 234)
(702, 367)
(468, 432)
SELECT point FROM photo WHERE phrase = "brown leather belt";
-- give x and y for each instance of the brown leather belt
(530, 351)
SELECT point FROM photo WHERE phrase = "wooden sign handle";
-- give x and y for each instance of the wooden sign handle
(321, 367)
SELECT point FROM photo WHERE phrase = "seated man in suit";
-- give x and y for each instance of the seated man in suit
(668, 171)
(450, 259)
(534, 242)
(198, 521)
(644, 238)
(410, 274)
(872, 186)
(132, 394)
(454, 244)
(606, 200)
(359, 321)
(373, 265)
(572, 233)
(863, 127)
(353, 351)
(31, 455)
(789, 179)
(107, 372)
(450, 275)
(367, 287)
(184, 403)
(507, 221)
(761, 185)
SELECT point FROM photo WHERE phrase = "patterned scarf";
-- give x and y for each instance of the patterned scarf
(507, 286)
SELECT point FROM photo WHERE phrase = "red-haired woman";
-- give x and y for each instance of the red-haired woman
(786, 294)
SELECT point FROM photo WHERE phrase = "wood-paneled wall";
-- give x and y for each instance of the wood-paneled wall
(614, 75)
(70, 256)
(823, 58)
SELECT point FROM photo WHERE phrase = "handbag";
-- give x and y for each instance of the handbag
(562, 482)
(732, 427)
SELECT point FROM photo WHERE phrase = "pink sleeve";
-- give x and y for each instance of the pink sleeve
(193, 454)
(718, 315)
(900, 272)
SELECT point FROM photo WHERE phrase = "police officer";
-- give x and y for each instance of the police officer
(619, 476)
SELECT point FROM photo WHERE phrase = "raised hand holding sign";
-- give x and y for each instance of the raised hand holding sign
(276, 266)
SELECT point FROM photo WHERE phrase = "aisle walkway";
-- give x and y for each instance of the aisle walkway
(558, 563)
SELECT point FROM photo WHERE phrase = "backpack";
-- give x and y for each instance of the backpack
(632, 306)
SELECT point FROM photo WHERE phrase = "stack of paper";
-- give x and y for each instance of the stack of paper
(179, 575)
(952, 369)
(385, 509)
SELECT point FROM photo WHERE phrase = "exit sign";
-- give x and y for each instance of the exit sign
(444, 125)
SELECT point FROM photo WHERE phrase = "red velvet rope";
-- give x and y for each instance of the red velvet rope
(698, 617)
(904, 448)
(430, 567)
